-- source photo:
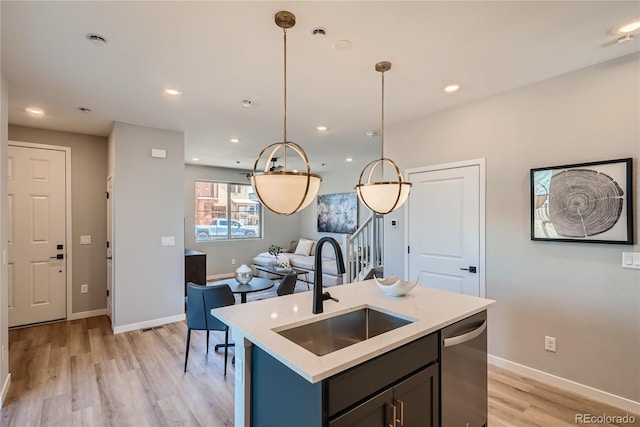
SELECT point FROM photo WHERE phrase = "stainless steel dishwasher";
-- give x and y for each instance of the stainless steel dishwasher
(463, 372)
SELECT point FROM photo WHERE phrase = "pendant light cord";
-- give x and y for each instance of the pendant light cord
(284, 30)
(382, 131)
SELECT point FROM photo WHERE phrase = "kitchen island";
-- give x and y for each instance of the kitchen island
(255, 328)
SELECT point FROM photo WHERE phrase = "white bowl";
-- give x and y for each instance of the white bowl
(395, 287)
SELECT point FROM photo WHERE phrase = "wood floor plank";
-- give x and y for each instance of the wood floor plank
(79, 374)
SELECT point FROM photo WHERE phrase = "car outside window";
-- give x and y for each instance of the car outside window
(220, 204)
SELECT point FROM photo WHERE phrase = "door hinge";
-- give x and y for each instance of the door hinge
(107, 292)
(107, 243)
(107, 194)
(408, 249)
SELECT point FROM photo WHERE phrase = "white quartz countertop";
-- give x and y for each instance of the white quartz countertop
(430, 309)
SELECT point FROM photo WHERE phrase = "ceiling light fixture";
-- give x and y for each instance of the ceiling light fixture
(35, 111)
(452, 88)
(322, 127)
(281, 191)
(379, 195)
(631, 27)
(342, 45)
(349, 159)
(234, 140)
(84, 109)
(173, 91)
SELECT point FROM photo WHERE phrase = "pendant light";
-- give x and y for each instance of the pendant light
(380, 195)
(280, 190)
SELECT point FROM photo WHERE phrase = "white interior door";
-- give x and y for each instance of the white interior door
(444, 230)
(110, 248)
(37, 246)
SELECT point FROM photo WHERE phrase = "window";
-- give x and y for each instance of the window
(226, 212)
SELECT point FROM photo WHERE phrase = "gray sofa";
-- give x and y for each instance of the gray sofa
(304, 259)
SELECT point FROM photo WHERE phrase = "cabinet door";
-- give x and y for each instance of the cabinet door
(374, 412)
(416, 399)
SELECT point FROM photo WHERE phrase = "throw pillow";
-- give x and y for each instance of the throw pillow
(292, 247)
(304, 247)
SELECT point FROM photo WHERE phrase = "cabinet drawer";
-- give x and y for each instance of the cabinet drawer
(354, 385)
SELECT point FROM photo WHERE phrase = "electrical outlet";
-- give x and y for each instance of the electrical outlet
(233, 261)
(84, 289)
(550, 344)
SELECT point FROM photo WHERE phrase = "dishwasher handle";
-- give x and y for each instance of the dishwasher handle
(460, 339)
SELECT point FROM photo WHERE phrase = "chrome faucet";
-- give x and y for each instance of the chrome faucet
(318, 295)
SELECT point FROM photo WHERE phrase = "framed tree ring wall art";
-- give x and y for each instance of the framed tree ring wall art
(586, 202)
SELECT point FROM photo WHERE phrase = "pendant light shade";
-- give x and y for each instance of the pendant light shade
(377, 193)
(284, 192)
(280, 190)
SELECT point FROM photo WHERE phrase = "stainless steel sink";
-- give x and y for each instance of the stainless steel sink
(331, 334)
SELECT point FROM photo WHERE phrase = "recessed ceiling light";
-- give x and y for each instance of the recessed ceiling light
(173, 91)
(38, 112)
(234, 140)
(342, 45)
(195, 159)
(96, 39)
(322, 127)
(452, 88)
(631, 27)
(246, 102)
(349, 159)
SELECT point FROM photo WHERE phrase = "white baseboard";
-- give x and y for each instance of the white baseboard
(148, 324)
(567, 385)
(5, 390)
(85, 314)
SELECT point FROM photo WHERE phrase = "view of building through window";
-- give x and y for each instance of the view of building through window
(226, 211)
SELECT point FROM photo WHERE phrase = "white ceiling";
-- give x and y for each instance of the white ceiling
(220, 53)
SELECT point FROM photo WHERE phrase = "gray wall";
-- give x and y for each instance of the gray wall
(575, 292)
(4, 279)
(88, 210)
(148, 203)
(278, 229)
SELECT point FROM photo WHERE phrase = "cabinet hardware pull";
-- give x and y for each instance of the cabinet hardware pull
(393, 414)
(401, 420)
(450, 342)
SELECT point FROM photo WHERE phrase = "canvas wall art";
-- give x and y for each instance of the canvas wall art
(586, 202)
(338, 213)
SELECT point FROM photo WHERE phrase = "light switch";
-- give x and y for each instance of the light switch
(168, 240)
(631, 260)
(85, 240)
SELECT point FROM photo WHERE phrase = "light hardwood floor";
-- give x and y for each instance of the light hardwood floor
(78, 373)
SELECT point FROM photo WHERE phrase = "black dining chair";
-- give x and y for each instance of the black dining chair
(287, 284)
(200, 300)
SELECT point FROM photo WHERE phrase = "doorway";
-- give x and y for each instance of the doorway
(446, 227)
(38, 188)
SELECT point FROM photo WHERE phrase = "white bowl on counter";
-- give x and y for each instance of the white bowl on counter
(395, 287)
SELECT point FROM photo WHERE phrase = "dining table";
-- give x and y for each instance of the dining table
(255, 285)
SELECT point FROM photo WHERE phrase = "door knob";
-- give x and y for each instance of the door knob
(471, 269)
(59, 256)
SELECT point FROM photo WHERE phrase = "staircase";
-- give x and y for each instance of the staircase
(363, 250)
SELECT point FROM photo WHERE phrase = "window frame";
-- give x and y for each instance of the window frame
(232, 212)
